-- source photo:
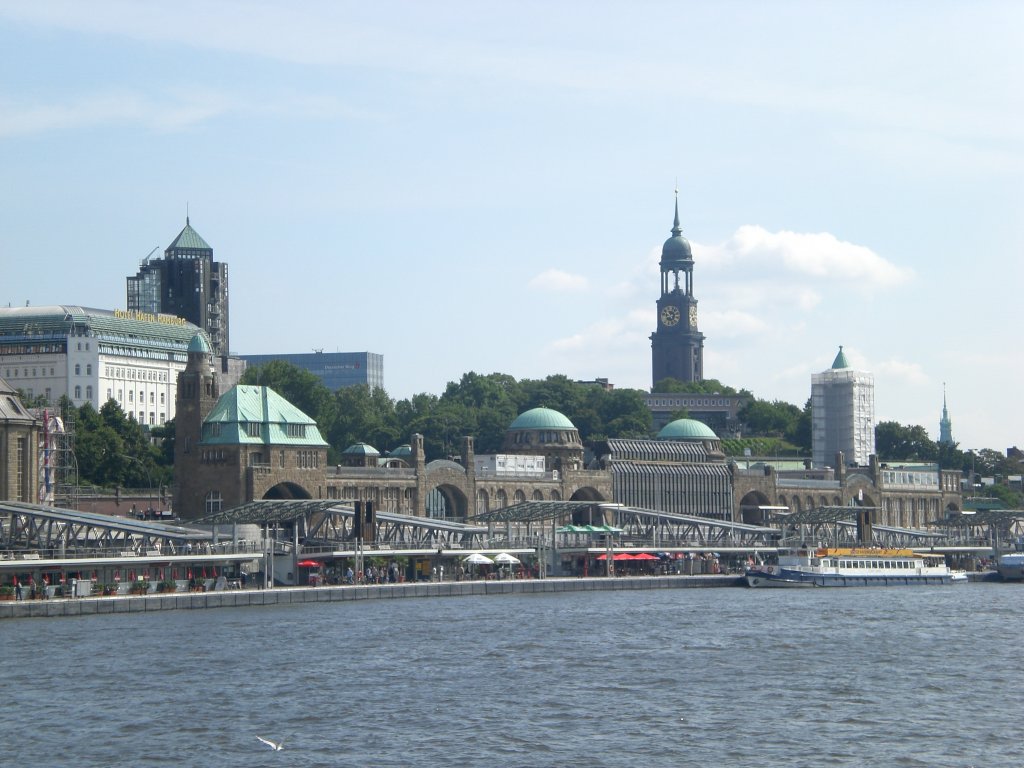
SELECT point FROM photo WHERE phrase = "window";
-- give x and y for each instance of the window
(78, 369)
(78, 392)
(110, 393)
(152, 397)
(161, 398)
(152, 417)
(88, 392)
(88, 369)
(214, 502)
(131, 395)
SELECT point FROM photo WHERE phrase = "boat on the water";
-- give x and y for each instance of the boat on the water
(850, 567)
(1011, 566)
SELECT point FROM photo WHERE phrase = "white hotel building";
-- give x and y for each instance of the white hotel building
(95, 355)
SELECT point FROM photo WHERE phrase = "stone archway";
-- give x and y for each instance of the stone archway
(447, 502)
(287, 490)
(750, 508)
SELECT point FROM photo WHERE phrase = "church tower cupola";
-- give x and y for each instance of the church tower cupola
(677, 346)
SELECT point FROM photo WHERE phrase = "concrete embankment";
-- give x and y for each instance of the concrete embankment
(85, 606)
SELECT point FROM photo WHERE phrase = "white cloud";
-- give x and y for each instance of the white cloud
(812, 255)
(901, 373)
(557, 281)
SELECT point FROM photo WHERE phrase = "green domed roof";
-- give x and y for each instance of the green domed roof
(402, 450)
(541, 418)
(361, 449)
(687, 429)
(676, 253)
(199, 344)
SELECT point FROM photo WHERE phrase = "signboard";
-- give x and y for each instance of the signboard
(516, 464)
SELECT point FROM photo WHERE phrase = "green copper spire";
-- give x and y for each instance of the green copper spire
(945, 423)
(840, 361)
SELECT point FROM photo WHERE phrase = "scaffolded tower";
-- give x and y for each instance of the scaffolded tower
(842, 414)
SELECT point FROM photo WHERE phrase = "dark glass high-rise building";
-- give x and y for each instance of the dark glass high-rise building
(188, 283)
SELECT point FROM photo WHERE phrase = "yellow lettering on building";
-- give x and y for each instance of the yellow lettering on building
(149, 317)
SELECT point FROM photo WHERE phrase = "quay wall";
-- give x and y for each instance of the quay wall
(86, 606)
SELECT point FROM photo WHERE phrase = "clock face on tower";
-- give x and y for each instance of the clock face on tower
(693, 317)
(670, 315)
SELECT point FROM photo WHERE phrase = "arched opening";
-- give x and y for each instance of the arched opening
(446, 502)
(287, 490)
(750, 508)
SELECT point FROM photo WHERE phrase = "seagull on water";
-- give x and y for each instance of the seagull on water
(277, 746)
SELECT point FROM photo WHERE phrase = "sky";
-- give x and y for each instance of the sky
(466, 186)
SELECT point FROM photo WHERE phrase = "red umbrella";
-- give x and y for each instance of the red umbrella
(624, 556)
(646, 556)
(309, 563)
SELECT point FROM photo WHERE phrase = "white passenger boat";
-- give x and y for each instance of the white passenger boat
(1011, 566)
(850, 567)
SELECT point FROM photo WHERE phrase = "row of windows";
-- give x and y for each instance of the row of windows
(132, 373)
(308, 459)
(131, 396)
(24, 373)
(545, 436)
(31, 349)
(210, 457)
(874, 564)
(689, 402)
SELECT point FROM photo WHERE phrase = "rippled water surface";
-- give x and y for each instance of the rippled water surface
(927, 676)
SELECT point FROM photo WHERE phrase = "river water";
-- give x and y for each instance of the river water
(926, 676)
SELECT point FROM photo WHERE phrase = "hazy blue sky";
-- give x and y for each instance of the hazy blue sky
(470, 186)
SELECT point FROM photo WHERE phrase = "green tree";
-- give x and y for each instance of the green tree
(896, 442)
(705, 387)
(362, 414)
(770, 419)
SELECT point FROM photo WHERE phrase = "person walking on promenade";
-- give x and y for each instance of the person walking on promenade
(349, 576)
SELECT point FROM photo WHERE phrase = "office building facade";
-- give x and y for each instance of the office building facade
(335, 369)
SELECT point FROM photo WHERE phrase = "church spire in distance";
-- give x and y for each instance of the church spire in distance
(945, 425)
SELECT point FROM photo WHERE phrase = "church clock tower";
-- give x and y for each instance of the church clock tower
(677, 346)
